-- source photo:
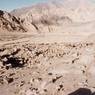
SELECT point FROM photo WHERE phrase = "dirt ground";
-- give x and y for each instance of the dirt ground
(46, 64)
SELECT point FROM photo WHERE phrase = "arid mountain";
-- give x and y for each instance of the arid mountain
(46, 17)
(10, 23)
(43, 16)
(80, 10)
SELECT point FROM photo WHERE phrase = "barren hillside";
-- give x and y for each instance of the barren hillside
(10, 23)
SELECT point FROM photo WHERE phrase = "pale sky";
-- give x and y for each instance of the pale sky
(9, 5)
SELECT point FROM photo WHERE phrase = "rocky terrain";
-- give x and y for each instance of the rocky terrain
(48, 49)
(46, 69)
(10, 23)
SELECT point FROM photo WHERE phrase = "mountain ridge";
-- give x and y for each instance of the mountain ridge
(10, 23)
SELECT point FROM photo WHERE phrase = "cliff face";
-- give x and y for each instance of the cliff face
(10, 23)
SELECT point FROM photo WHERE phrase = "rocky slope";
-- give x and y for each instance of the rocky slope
(42, 17)
(48, 16)
(10, 23)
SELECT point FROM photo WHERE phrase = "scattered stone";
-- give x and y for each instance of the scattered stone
(55, 79)
(9, 80)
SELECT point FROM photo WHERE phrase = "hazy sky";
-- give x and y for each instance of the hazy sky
(9, 5)
(12, 4)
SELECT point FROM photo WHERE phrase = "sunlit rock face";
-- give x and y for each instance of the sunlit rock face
(10, 23)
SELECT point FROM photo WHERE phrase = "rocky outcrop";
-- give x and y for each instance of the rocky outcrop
(10, 23)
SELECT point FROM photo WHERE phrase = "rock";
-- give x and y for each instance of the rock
(9, 80)
(9, 23)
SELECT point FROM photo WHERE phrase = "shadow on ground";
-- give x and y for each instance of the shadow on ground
(82, 91)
